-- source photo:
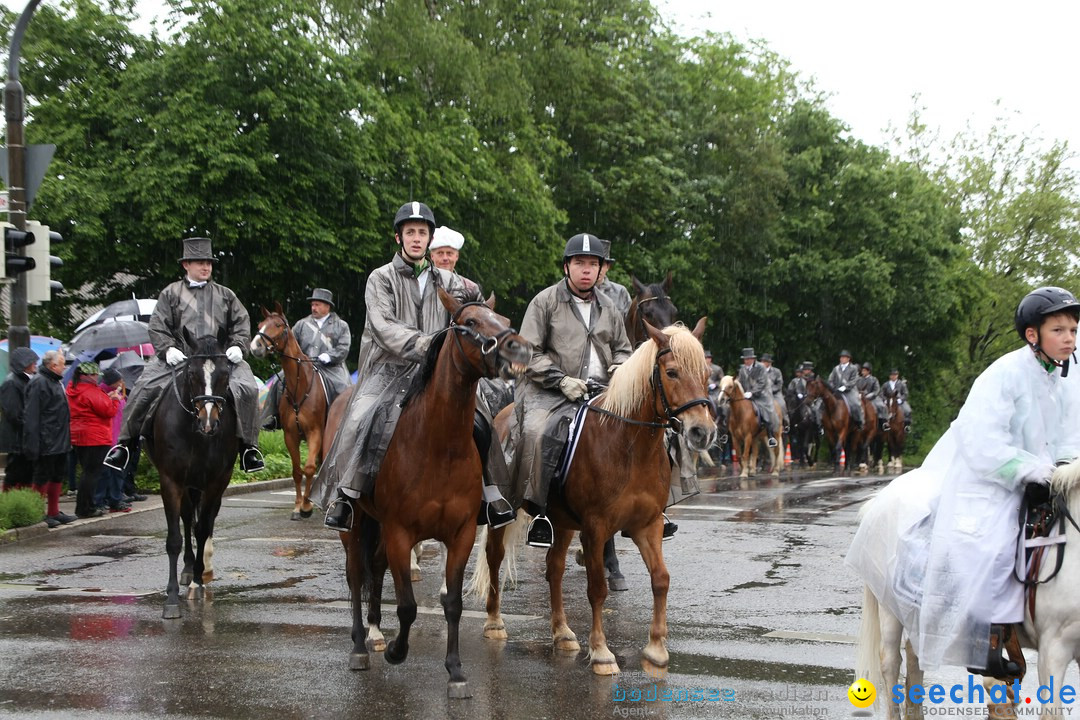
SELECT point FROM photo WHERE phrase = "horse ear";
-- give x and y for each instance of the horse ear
(638, 287)
(277, 308)
(188, 340)
(223, 336)
(667, 283)
(265, 312)
(699, 329)
(657, 336)
(449, 302)
(490, 302)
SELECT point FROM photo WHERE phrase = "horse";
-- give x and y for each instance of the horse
(835, 420)
(747, 431)
(302, 407)
(411, 502)
(194, 447)
(650, 304)
(867, 439)
(805, 430)
(1053, 631)
(896, 436)
(619, 480)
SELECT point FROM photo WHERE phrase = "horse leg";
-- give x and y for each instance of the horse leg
(398, 544)
(376, 558)
(457, 555)
(204, 530)
(654, 657)
(314, 438)
(913, 677)
(173, 544)
(414, 561)
(292, 442)
(354, 576)
(601, 657)
(561, 634)
(1054, 657)
(494, 627)
(187, 513)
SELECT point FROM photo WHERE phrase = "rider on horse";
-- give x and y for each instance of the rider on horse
(613, 291)
(577, 335)
(947, 571)
(202, 306)
(843, 378)
(898, 388)
(776, 379)
(757, 388)
(325, 338)
(397, 333)
(869, 386)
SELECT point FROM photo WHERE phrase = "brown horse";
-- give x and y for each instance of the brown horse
(650, 304)
(302, 406)
(619, 481)
(896, 436)
(747, 432)
(867, 439)
(429, 482)
(835, 420)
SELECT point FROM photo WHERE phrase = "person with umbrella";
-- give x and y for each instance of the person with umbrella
(92, 411)
(202, 306)
(19, 471)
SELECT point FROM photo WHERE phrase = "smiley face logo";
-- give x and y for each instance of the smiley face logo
(862, 693)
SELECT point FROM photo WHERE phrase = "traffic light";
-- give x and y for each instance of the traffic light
(14, 262)
(39, 283)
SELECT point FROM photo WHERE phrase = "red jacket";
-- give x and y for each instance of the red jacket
(91, 413)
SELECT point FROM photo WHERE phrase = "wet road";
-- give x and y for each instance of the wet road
(762, 612)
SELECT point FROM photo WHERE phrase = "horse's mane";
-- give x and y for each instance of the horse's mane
(1066, 478)
(207, 345)
(427, 368)
(728, 381)
(630, 384)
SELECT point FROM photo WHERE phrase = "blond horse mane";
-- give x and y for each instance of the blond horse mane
(629, 386)
(1066, 478)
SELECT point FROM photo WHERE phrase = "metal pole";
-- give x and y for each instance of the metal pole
(14, 113)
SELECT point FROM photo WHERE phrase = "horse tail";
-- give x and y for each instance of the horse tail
(868, 643)
(513, 539)
(478, 584)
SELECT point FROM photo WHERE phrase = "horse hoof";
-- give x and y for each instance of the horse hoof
(654, 667)
(458, 690)
(359, 661)
(617, 583)
(415, 575)
(605, 668)
(567, 644)
(392, 655)
(171, 612)
(376, 645)
(186, 577)
(295, 515)
(495, 632)
(207, 576)
(579, 557)
(306, 513)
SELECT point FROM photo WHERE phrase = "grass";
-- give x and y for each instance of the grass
(21, 508)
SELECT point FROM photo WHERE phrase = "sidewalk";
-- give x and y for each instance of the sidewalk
(153, 502)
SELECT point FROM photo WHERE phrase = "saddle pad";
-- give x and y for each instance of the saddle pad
(574, 436)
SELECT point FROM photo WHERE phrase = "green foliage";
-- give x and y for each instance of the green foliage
(21, 508)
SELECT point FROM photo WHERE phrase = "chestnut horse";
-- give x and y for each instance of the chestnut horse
(429, 483)
(867, 439)
(747, 432)
(650, 304)
(896, 436)
(302, 407)
(835, 420)
(619, 480)
(194, 447)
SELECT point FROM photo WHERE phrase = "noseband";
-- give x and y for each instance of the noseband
(489, 345)
(218, 401)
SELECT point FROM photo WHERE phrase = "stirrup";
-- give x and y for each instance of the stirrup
(498, 513)
(996, 664)
(339, 516)
(118, 457)
(251, 460)
(670, 528)
(771, 442)
(541, 533)
(885, 427)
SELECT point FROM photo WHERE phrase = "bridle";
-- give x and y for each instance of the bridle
(488, 344)
(282, 340)
(672, 415)
(216, 401)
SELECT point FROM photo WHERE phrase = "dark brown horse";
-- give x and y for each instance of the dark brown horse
(194, 447)
(619, 481)
(429, 482)
(650, 304)
(867, 439)
(747, 432)
(302, 407)
(835, 420)
(896, 435)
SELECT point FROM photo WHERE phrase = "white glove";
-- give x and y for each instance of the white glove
(324, 358)
(842, 388)
(1040, 475)
(174, 357)
(573, 388)
(234, 354)
(799, 395)
(748, 395)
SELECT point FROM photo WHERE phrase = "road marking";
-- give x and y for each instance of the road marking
(124, 537)
(335, 541)
(812, 637)
(423, 610)
(96, 592)
(257, 501)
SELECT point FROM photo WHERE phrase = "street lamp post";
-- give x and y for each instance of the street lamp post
(14, 114)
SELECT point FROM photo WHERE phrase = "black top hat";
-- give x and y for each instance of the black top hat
(323, 295)
(894, 371)
(198, 249)
(748, 353)
(845, 352)
(766, 357)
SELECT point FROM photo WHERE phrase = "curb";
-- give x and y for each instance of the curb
(15, 535)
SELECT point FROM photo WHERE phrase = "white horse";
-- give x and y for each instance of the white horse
(1054, 633)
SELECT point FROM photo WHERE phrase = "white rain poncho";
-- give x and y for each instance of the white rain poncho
(937, 546)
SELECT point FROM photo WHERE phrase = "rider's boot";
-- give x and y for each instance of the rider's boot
(251, 459)
(670, 528)
(1003, 638)
(541, 532)
(495, 510)
(339, 515)
(615, 579)
(769, 440)
(119, 456)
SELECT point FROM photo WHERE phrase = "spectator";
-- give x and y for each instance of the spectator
(47, 433)
(92, 413)
(19, 471)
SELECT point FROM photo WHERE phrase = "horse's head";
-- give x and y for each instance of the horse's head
(486, 338)
(651, 305)
(817, 388)
(202, 385)
(272, 334)
(730, 389)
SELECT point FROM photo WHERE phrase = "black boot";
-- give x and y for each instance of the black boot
(339, 515)
(251, 460)
(118, 457)
(541, 533)
(670, 528)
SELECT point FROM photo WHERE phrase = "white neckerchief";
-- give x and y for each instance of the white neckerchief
(321, 321)
(195, 283)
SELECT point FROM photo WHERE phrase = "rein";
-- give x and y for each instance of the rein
(290, 393)
(1050, 513)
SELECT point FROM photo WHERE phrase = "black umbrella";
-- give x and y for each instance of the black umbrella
(111, 334)
(130, 366)
(131, 309)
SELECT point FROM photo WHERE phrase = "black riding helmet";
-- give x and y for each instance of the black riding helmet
(868, 366)
(583, 244)
(414, 211)
(1036, 305)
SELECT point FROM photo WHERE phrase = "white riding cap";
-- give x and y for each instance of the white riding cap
(445, 237)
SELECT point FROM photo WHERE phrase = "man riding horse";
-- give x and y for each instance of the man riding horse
(776, 380)
(577, 336)
(897, 388)
(404, 314)
(757, 388)
(203, 307)
(843, 378)
(869, 386)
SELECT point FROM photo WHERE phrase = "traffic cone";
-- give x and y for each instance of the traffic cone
(734, 456)
(843, 456)
(787, 455)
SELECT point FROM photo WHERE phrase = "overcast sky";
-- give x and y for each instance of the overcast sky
(959, 56)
